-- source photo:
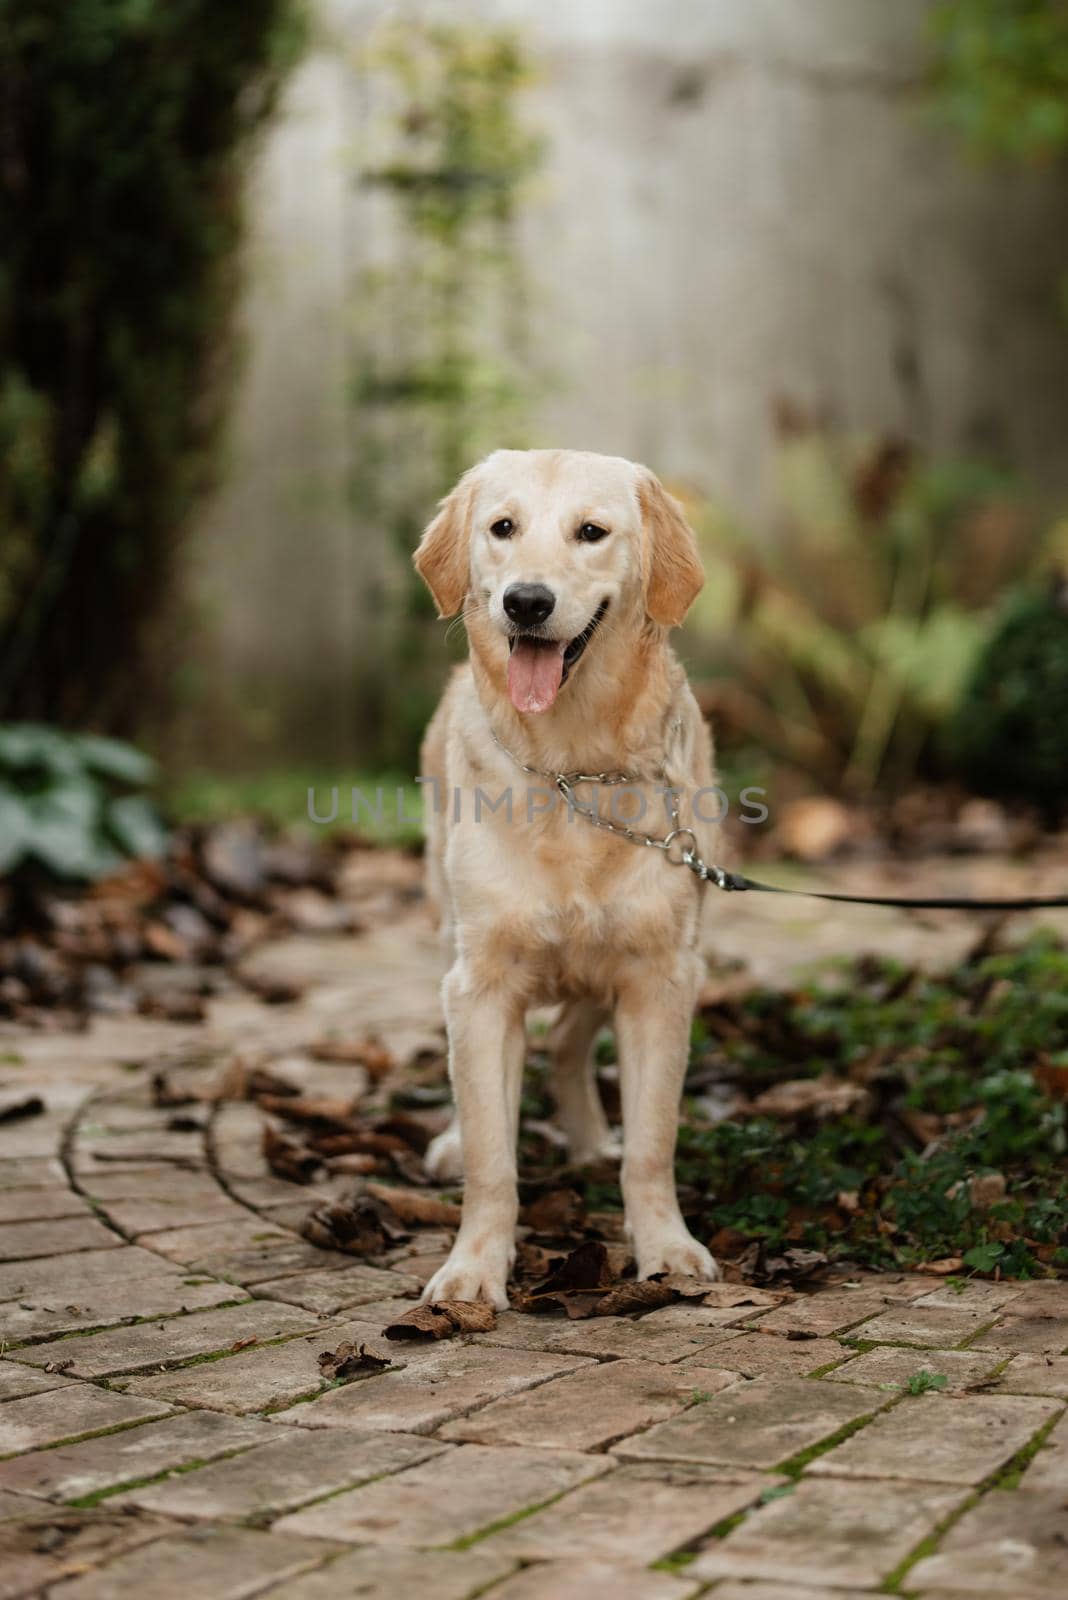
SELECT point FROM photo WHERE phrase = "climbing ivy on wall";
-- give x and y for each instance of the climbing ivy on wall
(441, 370)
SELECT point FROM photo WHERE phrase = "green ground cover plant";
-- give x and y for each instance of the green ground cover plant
(955, 1146)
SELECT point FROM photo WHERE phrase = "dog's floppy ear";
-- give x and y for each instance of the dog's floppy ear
(673, 566)
(442, 557)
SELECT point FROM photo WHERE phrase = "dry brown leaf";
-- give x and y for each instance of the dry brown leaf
(308, 1108)
(634, 1296)
(361, 1226)
(560, 1211)
(425, 1210)
(351, 1361)
(825, 1096)
(354, 1164)
(941, 1269)
(369, 1053)
(286, 1158)
(440, 1319)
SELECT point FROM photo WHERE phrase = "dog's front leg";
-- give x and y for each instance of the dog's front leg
(653, 1013)
(486, 1049)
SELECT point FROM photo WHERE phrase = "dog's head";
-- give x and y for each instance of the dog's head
(547, 544)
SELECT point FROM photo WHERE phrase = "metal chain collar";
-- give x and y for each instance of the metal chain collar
(682, 841)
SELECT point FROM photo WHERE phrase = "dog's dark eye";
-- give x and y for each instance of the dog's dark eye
(589, 533)
(503, 528)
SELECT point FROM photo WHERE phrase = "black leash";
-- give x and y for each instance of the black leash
(736, 883)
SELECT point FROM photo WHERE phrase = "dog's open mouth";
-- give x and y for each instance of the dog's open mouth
(539, 667)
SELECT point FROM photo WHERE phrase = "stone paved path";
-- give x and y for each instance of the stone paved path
(164, 1429)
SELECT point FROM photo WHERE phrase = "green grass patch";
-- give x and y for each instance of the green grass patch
(388, 807)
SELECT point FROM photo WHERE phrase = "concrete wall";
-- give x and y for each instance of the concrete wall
(741, 199)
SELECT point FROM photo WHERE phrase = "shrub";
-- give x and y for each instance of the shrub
(1009, 736)
(125, 126)
(69, 803)
(843, 645)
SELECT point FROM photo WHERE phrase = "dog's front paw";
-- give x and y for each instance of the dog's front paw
(476, 1271)
(677, 1251)
(444, 1157)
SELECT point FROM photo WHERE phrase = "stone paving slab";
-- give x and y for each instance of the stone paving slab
(242, 1232)
(1008, 1545)
(108, 1286)
(1049, 1468)
(222, 1563)
(754, 1353)
(16, 1381)
(283, 1474)
(591, 1408)
(467, 1490)
(269, 1375)
(616, 1337)
(139, 1216)
(40, 1204)
(383, 1574)
(274, 1257)
(583, 1580)
(977, 1294)
(94, 1466)
(155, 1346)
(1029, 1374)
(757, 1424)
(331, 1291)
(40, 1549)
(22, 1241)
(890, 1366)
(67, 1413)
(435, 1386)
(830, 1532)
(938, 1327)
(1037, 1335)
(820, 1315)
(13, 1505)
(940, 1440)
(637, 1514)
(24, 1172)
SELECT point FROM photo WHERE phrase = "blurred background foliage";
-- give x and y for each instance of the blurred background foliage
(125, 129)
(900, 623)
(1001, 75)
(842, 648)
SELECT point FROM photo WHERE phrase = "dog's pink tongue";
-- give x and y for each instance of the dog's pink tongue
(534, 674)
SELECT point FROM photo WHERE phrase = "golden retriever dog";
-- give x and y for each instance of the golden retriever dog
(569, 569)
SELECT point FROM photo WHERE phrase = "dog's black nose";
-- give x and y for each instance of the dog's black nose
(528, 603)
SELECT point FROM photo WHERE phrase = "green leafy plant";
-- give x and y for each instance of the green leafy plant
(925, 1382)
(1001, 74)
(1009, 734)
(126, 128)
(70, 803)
(843, 646)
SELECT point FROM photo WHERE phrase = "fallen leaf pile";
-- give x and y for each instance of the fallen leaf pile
(160, 936)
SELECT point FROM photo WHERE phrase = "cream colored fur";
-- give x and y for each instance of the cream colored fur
(546, 908)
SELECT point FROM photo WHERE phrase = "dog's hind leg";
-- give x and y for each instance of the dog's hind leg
(573, 1081)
